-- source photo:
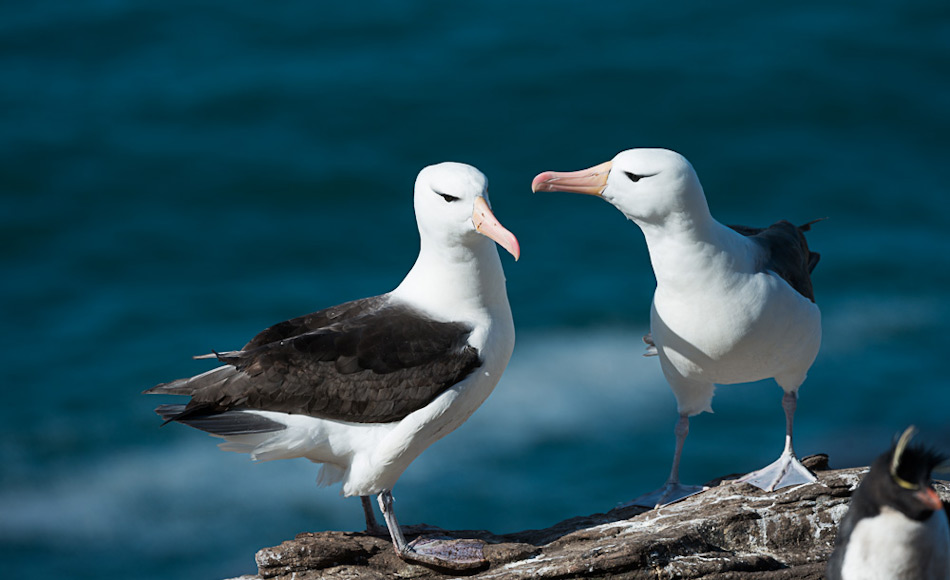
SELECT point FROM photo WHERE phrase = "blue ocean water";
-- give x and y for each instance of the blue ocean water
(176, 176)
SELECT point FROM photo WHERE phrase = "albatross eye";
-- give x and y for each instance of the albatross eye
(632, 176)
(446, 196)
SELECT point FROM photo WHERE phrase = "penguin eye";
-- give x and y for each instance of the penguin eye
(633, 176)
(446, 196)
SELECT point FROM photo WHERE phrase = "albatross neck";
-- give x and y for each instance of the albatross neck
(452, 281)
(688, 249)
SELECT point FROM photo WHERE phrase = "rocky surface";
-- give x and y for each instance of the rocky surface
(732, 531)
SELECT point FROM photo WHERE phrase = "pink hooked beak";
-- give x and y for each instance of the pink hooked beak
(487, 225)
(590, 181)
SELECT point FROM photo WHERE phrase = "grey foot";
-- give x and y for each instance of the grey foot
(787, 470)
(372, 526)
(452, 554)
(375, 529)
(669, 493)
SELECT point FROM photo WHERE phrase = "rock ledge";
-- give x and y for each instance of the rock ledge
(732, 531)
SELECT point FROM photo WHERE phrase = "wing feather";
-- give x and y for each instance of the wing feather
(363, 361)
(786, 253)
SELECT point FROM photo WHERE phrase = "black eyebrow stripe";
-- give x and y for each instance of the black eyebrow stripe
(445, 196)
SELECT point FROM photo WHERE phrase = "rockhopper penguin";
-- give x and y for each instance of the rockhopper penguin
(896, 527)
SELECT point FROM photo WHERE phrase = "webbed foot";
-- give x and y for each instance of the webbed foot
(453, 554)
(669, 493)
(785, 471)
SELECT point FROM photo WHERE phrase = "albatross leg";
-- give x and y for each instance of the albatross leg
(787, 469)
(372, 526)
(673, 490)
(453, 554)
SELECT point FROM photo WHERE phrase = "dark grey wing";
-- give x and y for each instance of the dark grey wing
(786, 253)
(222, 424)
(375, 363)
(216, 378)
(316, 320)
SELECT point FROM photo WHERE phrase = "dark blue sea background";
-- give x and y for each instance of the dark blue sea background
(176, 176)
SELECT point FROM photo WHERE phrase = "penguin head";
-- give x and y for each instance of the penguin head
(901, 478)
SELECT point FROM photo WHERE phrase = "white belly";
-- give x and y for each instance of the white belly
(758, 330)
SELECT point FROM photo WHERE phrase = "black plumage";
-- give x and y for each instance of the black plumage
(222, 424)
(787, 253)
(365, 361)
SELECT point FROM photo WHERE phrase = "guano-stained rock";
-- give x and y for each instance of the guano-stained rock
(732, 531)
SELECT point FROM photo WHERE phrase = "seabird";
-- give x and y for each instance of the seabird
(732, 304)
(366, 386)
(896, 526)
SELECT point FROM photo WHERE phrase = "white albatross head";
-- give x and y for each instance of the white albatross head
(452, 207)
(647, 185)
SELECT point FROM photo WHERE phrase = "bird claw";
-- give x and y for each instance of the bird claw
(650, 345)
(449, 553)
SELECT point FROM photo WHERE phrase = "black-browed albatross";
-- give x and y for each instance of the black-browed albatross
(364, 387)
(732, 304)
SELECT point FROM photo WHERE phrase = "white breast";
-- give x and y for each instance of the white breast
(891, 546)
(756, 328)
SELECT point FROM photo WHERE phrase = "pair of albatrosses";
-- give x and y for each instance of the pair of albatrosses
(364, 387)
